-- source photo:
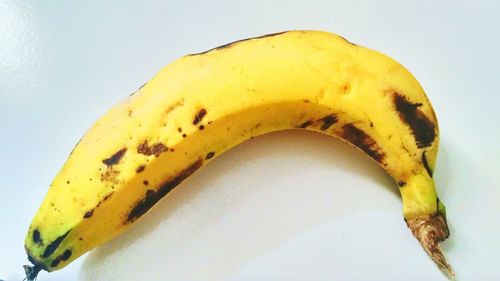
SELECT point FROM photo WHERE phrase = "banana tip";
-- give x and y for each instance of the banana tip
(430, 230)
(32, 271)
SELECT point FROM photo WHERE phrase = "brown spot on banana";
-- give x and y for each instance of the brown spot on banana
(199, 116)
(110, 175)
(63, 257)
(88, 214)
(37, 238)
(362, 140)
(306, 124)
(55, 262)
(174, 106)
(104, 199)
(152, 196)
(115, 158)
(52, 247)
(426, 164)
(421, 126)
(140, 169)
(155, 149)
(328, 121)
(210, 155)
(66, 255)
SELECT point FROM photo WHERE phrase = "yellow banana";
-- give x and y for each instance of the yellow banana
(203, 104)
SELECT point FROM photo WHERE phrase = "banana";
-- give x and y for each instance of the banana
(203, 104)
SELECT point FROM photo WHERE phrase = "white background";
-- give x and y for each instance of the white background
(286, 206)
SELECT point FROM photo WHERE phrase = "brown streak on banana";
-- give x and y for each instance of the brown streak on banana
(115, 158)
(363, 141)
(421, 126)
(152, 196)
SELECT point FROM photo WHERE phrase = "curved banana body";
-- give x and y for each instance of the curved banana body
(204, 104)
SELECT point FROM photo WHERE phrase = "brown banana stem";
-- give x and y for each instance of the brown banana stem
(430, 230)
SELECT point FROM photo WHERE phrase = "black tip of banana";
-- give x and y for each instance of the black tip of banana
(430, 230)
(32, 271)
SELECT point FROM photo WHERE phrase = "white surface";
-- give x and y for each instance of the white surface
(287, 206)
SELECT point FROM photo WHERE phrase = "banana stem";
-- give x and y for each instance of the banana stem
(430, 230)
(32, 271)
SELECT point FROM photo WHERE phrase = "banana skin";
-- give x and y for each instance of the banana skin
(203, 104)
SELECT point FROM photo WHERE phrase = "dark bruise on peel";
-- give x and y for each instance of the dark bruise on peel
(437, 208)
(37, 238)
(88, 214)
(236, 42)
(426, 164)
(140, 169)
(152, 196)
(107, 196)
(115, 158)
(63, 257)
(210, 155)
(66, 255)
(421, 126)
(104, 199)
(363, 141)
(199, 116)
(306, 124)
(110, 175)
(155, 149)
(328, 121)
(52, 247)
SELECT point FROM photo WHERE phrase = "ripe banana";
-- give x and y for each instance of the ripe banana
(203, 104)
